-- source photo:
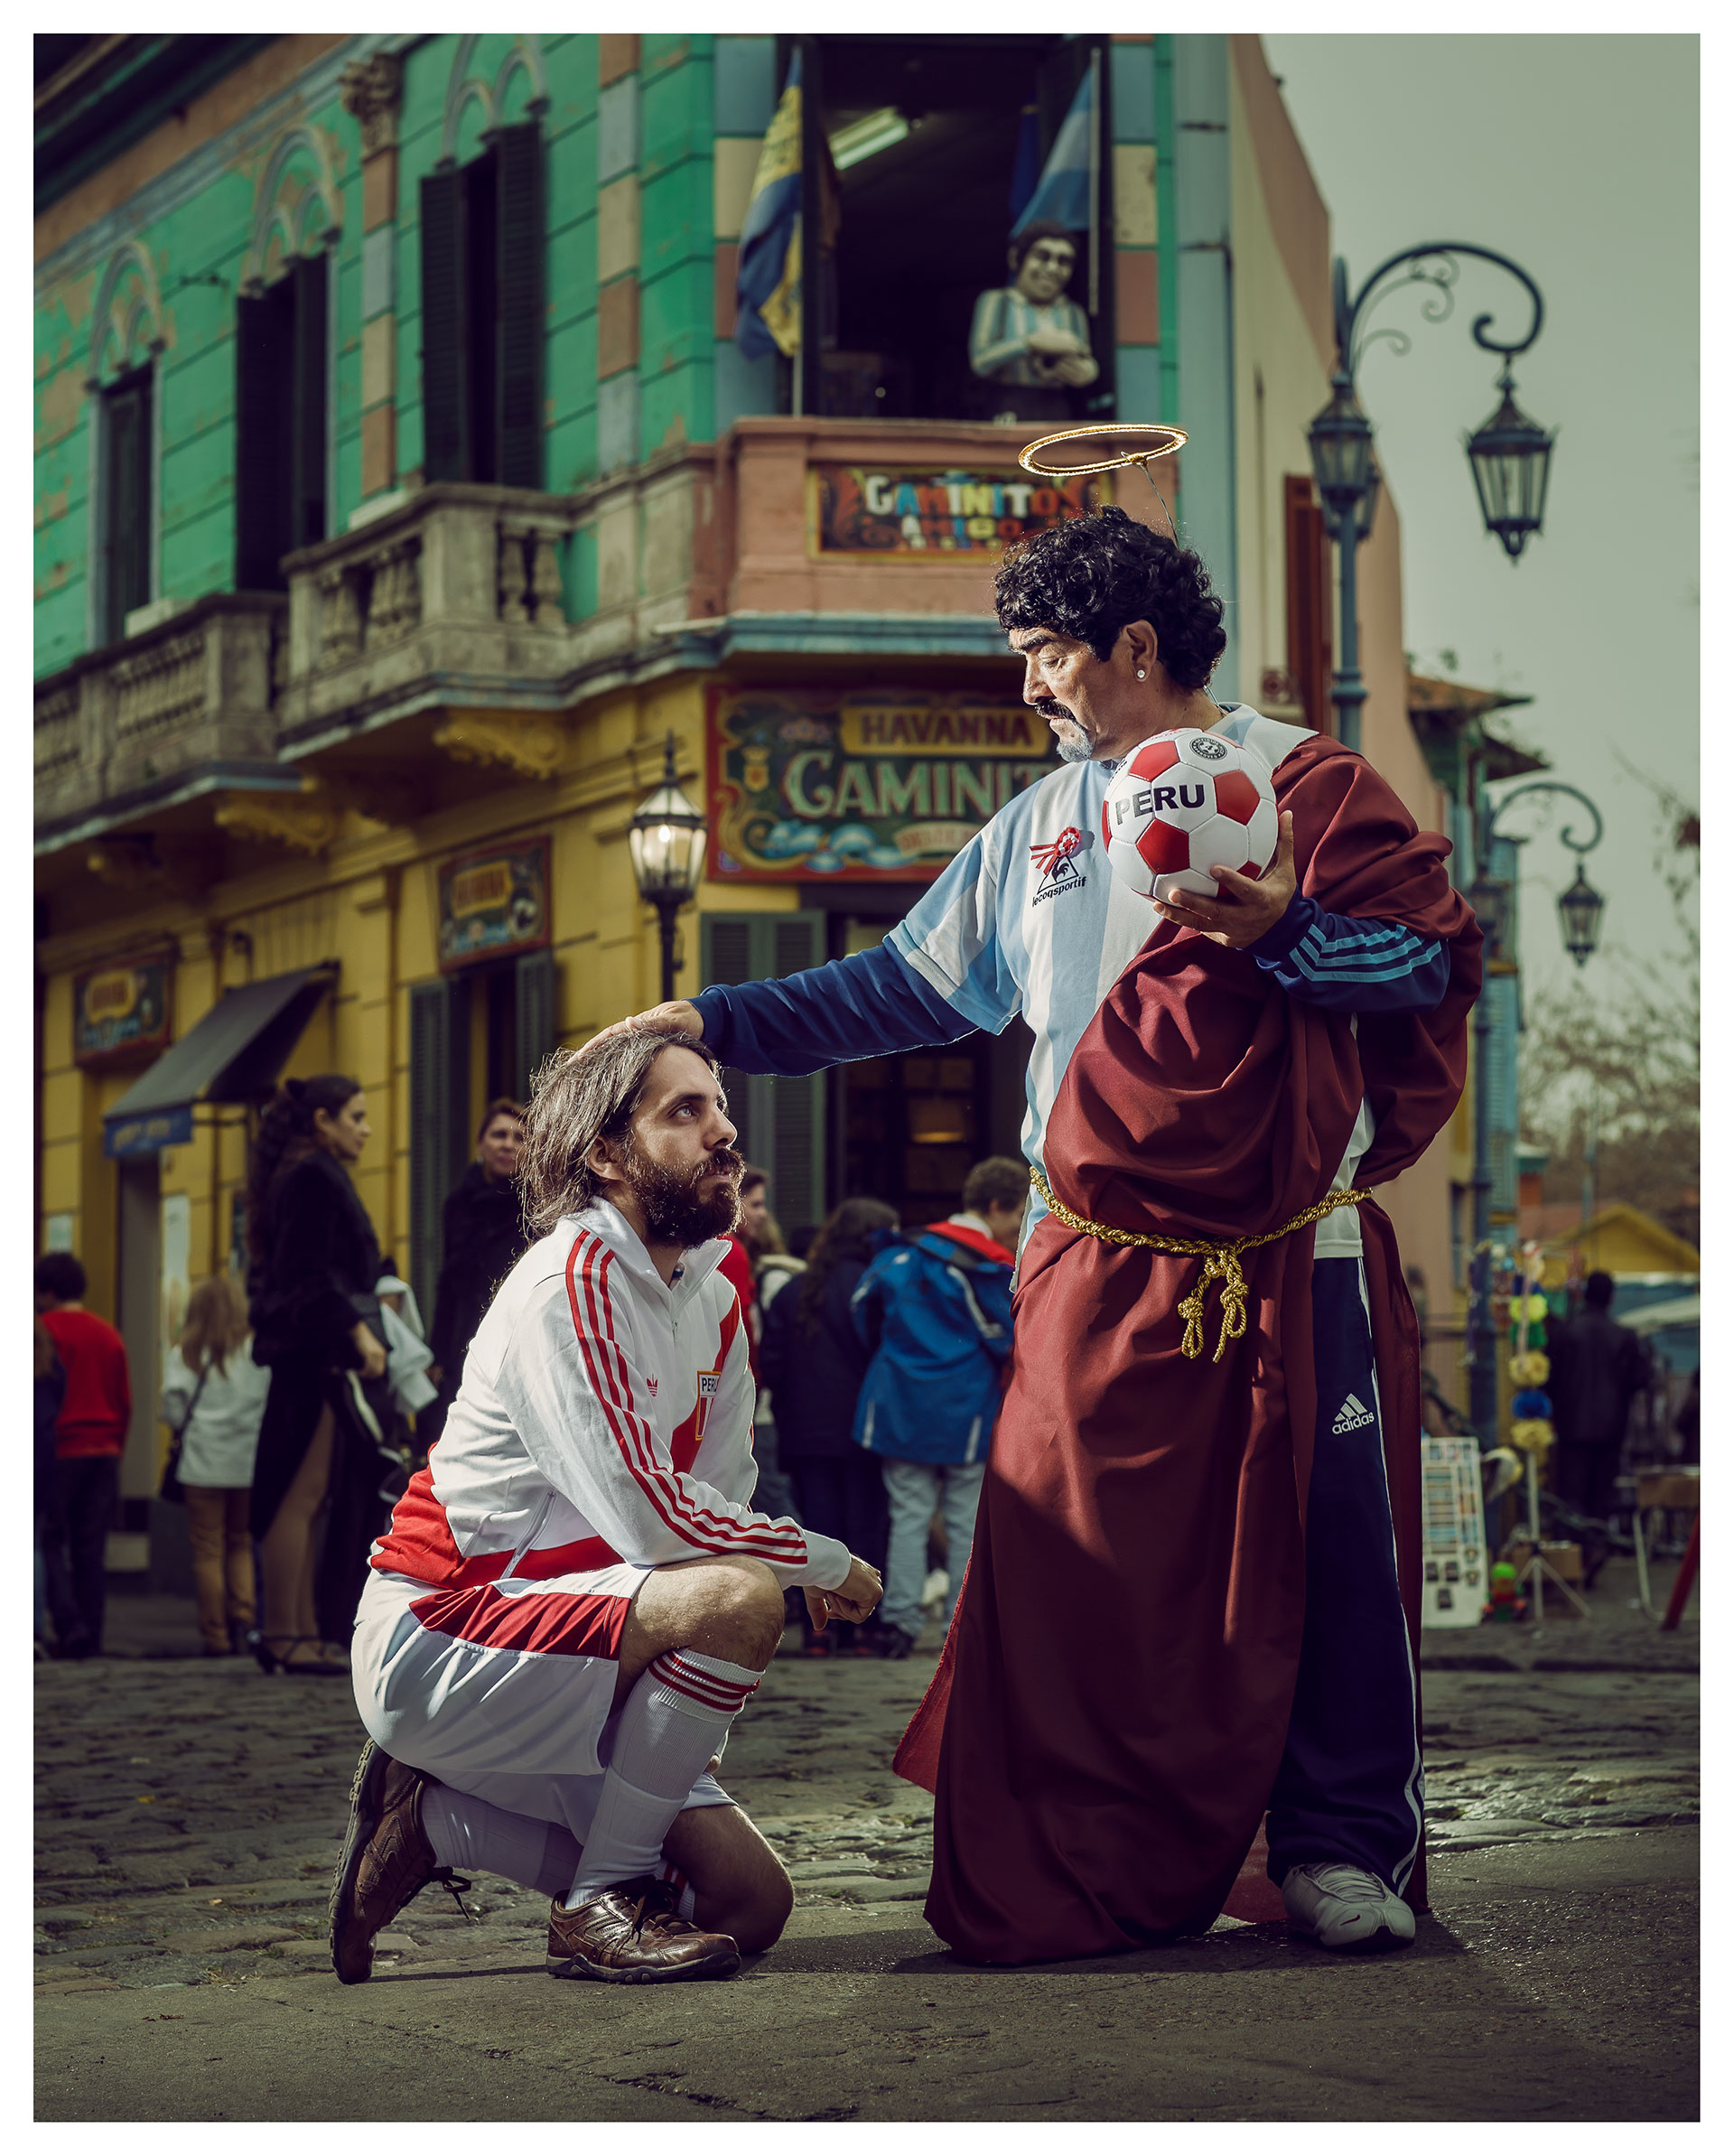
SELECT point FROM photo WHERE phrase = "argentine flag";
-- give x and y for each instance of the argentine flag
(1062, 195)
(767, 276)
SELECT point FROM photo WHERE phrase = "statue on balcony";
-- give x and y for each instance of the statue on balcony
(1027, 338)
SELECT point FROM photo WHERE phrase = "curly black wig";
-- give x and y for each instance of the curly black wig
(1090, 576)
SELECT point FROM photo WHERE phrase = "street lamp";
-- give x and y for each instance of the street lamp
(1509, 454)
(1581, 911)
(666, 842)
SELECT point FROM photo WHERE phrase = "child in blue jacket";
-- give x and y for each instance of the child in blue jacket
(934, 1309)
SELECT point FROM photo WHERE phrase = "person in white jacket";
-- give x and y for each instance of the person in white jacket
(213, 1395)
(575, 1597)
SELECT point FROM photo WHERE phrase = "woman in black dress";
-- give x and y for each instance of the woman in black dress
(812, 1362)
(317, 1327)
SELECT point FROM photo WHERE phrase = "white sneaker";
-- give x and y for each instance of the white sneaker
(1346, 1909)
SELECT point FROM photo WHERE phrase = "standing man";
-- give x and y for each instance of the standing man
(575, 1599)
(1119, 632)
(481, 1239)
(89, 1437)
(1599, 1367)
(936, 1312)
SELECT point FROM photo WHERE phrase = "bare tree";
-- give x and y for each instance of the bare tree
(1622, 1075)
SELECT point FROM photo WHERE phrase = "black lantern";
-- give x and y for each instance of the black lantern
(1342, 440)
(1509, 455)
(666, 842)
(1580, 910)
(1370, 507)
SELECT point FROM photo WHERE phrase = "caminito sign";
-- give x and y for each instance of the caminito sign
(877, 784)
(911, 514)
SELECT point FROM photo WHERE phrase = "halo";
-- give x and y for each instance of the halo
(1114, 444)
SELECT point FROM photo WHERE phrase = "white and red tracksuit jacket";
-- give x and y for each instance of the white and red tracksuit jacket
(604, 1418)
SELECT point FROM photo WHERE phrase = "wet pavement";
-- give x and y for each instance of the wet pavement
(190, 1811)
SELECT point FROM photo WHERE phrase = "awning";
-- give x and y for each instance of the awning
(233, 1054)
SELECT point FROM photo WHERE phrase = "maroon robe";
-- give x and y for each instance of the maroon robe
(1105, 1727)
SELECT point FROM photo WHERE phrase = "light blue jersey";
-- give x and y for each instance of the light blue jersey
(1029, 918)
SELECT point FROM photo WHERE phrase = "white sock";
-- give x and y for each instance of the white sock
(674, 1718)
(471, 1834)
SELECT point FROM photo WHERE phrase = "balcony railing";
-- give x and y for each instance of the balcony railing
(124, 729)
(458, 589)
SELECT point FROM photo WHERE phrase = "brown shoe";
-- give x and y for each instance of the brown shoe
(635, 1934)
(387, 1859)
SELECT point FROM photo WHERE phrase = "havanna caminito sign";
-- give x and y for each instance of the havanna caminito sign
(912, 515)
(875, 784)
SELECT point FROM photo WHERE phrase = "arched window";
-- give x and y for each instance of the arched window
(484, 316)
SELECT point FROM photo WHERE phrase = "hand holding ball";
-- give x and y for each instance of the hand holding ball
(1185, 803)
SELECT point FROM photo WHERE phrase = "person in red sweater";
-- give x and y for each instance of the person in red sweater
(89, 1436)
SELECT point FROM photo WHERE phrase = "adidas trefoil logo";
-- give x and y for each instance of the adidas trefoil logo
(1351, 1416)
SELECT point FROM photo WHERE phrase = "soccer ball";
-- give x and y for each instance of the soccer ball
(1182, 803)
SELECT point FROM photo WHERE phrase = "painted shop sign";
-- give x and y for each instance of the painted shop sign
(909, 514)
(119, 1011)
(494, 904)
(877, 784)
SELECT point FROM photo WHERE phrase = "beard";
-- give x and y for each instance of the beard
(1070, 740)
(677, 1206)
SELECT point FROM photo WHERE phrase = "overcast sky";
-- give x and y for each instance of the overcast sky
(1577, 157)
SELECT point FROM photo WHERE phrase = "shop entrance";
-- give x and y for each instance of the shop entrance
(910, 1127)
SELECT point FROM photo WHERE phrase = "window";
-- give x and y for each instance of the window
(1309, 567)
(280, 431)
(928, 134)
(125, 502)
(482, 314)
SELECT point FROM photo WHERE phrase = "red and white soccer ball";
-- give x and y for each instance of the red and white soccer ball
(1183, 803)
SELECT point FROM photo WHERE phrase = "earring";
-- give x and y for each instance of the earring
(1140, 673)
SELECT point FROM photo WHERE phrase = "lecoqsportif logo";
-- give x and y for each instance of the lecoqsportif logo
(1057, 859)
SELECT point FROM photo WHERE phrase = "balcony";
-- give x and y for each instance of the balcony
(186, 706)
(454, 597)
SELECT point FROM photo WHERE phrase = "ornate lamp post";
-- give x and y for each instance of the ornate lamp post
(1509, 454)
(666, 842)
(1491, 896)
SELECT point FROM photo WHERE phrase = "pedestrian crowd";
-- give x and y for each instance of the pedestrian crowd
(299, 1405)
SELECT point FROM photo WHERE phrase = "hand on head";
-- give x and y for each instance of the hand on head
(665, 1018)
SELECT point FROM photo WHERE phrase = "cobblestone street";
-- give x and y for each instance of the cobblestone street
(190, 1814)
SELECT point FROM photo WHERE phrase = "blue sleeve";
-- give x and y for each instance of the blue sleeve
(871, 1005)
(1339, 962)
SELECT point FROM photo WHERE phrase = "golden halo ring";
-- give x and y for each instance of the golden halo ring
(1158, 442)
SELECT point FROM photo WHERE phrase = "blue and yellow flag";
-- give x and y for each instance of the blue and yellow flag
(768, 277)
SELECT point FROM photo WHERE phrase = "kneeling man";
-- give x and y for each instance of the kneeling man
(574, 1598)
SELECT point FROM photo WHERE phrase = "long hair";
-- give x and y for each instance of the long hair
(287, 1132)
(576, 1099)
(847, 1233)
(216, 1324)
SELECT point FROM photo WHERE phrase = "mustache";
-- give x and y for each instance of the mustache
(1051, 711)
(724, 1161)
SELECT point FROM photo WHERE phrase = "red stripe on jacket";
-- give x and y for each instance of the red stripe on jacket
(612, 1382)
(419, 1545)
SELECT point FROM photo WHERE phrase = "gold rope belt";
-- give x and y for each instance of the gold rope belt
(1221, 1260)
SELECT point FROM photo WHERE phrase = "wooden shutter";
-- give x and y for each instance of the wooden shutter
(310, 284)
(1307, 547)
(780, 1120)
(445, 327)
(439, 1121)
(127, 499)
(536, 1023)
(262, 404)
(522, 311)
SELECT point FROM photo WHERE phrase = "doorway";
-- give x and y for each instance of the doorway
(925, 136)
